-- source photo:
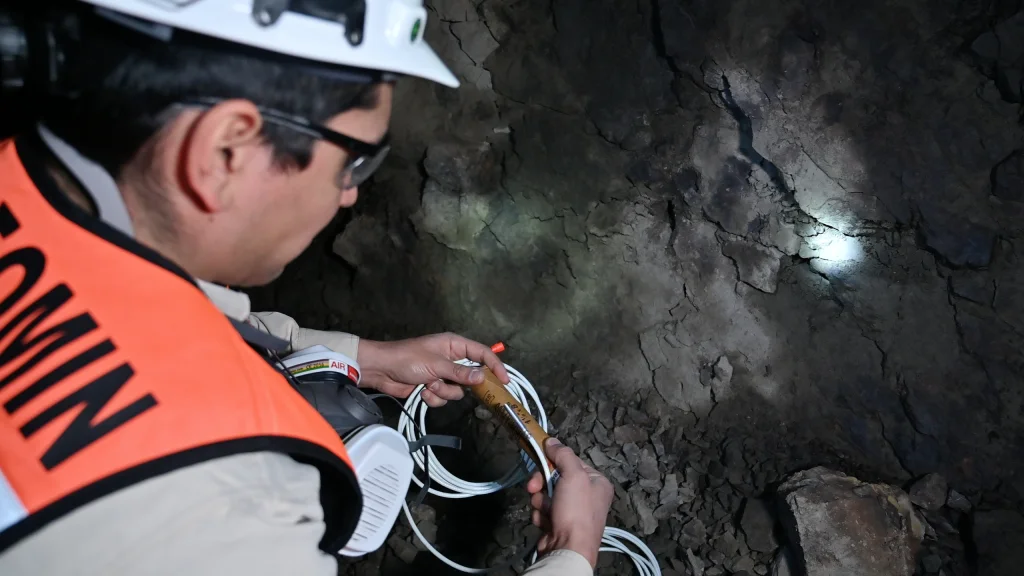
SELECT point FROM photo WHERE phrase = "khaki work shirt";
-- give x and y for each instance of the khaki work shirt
(254, 514)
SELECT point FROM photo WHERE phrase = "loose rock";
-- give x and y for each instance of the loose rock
(727, 544)
(721, 378)
(598, 457)
(665, 512)
(648, 466)
(505, 535)
(757, 525)
(741, 565)
(632, 454)
(693, 534)
(629, 433)
(606, 414)
(929, 492)
(426, 521)
(688, 487)
(650, 486)
(669, 495)
(931, 563)
(405, 551)
(844, 526)
(958, 502)
(696, 564)
(648, 523)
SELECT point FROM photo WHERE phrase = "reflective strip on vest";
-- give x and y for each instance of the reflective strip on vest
(115, 367)
(11, 510)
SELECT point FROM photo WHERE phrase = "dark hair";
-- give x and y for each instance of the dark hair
(125, 82)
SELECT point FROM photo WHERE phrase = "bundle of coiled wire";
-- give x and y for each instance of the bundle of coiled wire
(444, 484)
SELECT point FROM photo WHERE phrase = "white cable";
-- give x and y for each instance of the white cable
(613, 540)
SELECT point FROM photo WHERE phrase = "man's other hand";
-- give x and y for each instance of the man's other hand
(574, 519)
(396, 368)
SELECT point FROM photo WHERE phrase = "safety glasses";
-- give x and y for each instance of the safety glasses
(364, 158)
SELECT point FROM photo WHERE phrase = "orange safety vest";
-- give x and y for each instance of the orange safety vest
(115, 368)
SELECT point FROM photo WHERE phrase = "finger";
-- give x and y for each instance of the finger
(541, 502)
(566, 461)
(446, 391)
(536, 483)
(432, 399)
(392, 388)
(445, 369)
(541, 521)
(544, 544)
(465, 348)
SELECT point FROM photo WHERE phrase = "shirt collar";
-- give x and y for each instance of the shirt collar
(101, 187)
(233, 304)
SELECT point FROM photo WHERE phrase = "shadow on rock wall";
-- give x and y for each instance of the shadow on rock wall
(774, 234)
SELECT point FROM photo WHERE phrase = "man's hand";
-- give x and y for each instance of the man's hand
(574, 519)
(396, 368)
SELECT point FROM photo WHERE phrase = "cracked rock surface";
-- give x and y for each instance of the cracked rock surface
(729, 241)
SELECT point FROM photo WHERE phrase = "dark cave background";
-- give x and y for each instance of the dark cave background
(825, 194)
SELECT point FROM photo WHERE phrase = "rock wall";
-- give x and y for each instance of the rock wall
(787, 233)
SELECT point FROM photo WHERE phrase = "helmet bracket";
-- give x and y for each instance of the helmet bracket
(349, 13)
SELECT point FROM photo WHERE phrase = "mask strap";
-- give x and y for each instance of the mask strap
(436, 441)
(432, 440)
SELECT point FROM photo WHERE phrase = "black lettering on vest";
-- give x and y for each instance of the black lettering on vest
(8, 223)
(54, 338)
(57, 374)
(33, 261)
(83, 431)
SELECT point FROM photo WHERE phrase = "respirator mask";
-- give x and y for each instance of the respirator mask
(381, 457)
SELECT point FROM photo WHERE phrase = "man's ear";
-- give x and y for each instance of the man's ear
(221, 142)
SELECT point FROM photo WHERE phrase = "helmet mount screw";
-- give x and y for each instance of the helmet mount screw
(267, 12)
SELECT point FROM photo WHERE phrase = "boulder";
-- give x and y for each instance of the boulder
(842, 526)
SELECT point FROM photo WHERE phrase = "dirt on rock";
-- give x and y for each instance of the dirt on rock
(729, 241)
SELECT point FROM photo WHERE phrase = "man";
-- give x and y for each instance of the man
(184, 146)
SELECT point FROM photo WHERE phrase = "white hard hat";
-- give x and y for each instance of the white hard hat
(380, 35)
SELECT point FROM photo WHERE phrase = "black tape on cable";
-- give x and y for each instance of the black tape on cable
(435, 441)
